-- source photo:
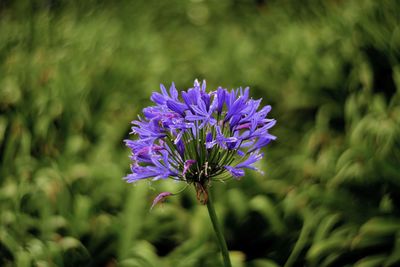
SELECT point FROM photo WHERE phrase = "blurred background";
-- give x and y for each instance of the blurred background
(73, 74)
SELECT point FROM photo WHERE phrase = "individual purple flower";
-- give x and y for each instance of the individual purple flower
(221, 99)
(220, 139)
(202, 113)
(235, 171)
(198, 137)
(164, 97)
(177, 107)
(160, 198)
(262, 141)
(248, 163)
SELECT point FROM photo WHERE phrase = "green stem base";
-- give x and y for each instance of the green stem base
(218, 231)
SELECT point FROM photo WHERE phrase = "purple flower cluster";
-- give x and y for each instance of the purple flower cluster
(200, 137)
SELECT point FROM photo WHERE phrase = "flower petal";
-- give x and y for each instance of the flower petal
(237, 173)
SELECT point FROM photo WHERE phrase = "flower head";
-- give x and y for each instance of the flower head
(199, 137)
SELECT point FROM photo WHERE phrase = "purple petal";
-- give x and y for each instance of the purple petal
(261, 142)
(173, 92)
(187, 165)
(241, 153)
(234, 120)
(158, 98)
(181, 147)
(194, 118)
(210, 144)
(250, 160)
(203, 86)
(212, 121)
(245, 94)
(243, 126)
(177, 107)
(178, 137)
(221, 99)
(163, 90)
(206, 100)
(199, 110)
(264, 111)
(237, 173)
(209, 137)
(186, 98)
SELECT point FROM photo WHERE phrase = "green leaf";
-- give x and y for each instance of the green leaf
(380, 226)
(266, 208)
(371, 261)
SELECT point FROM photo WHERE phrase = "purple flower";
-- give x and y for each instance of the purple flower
(262, 141)
(234, 171)
(160, 198)
(202, 113)
(238, 171)
(198, 137)
(254, 157)
(221, 99)
(177, 107)
(221, 140)
(164, 97)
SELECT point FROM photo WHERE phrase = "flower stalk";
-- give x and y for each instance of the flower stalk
(218, 232)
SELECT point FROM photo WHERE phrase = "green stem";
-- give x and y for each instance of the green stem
(218, 231)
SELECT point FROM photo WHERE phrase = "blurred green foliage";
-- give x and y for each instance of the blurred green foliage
(75, 73)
